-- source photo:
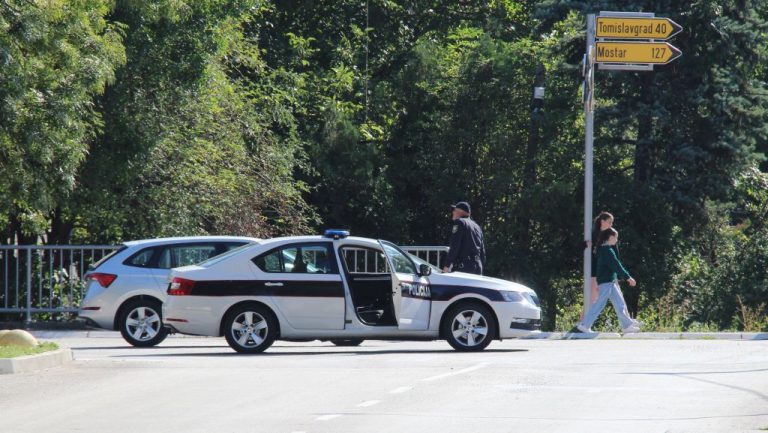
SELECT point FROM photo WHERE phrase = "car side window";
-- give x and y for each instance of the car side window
(175, 256)
(297, 259)
(360, 260)
(229, 246)
(271, 263)
(142, 259)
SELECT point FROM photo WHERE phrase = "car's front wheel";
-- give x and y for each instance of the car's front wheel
(250, 328)
(141, 323)
(469, 326)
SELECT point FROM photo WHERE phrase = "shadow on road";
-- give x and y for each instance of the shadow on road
(324, 352)
(146, 348)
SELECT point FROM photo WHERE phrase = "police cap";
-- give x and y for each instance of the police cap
(462, 205)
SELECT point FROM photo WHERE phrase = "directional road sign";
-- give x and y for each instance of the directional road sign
(636, 28)
(657, 53)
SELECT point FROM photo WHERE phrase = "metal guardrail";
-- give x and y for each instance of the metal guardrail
(368, 261)
(433, 255)
(48, 279)
(45, 279)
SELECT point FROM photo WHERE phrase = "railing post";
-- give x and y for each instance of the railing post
(29, 286)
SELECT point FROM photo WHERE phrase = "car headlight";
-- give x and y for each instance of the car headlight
(512, 296)
(532, 298)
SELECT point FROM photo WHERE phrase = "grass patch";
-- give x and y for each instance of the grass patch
(16, 351)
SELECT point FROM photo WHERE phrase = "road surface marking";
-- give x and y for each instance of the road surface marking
(327, 417)
(455, 373)
(369, 403)
(401, 390)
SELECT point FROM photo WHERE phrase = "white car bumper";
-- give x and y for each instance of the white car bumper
(517, 319)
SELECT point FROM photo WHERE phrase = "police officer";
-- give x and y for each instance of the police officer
(467, 251)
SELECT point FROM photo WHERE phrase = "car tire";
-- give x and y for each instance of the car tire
(347, 342)
(469, 326)
(250, 328)
(141, 323)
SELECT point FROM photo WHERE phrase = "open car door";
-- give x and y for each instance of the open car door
(410, 291)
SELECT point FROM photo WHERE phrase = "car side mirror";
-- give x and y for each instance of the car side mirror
(425, 270)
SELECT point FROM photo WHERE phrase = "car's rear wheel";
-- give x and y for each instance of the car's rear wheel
(469, 326)
(250, 328)
(141, 323)
(347, 342)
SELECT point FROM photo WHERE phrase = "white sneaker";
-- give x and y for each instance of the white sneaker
(636, 323)
(584, 329)
(631, 329)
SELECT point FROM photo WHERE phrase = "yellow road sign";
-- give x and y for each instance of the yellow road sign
(657, 53)
(636, 28)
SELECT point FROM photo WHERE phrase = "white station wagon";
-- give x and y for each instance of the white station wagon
(126, 289)
(344, 289)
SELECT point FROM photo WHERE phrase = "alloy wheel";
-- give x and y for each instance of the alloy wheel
(469, 328)
(250, 329)
(143, 323)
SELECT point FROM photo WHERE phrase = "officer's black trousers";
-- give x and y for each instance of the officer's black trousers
(470, 267)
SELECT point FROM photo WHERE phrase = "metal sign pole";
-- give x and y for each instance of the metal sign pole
(589, 80)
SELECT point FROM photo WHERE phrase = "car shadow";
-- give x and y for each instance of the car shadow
(323, 352)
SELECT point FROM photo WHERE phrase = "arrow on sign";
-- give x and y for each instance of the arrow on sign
(657, 53)
(636, 28)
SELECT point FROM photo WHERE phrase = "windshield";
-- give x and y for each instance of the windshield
(213, 260)
(419, 261)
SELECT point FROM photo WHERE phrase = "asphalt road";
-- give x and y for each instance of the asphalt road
(194, 385)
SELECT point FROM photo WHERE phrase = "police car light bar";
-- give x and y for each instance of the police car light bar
(336, 233)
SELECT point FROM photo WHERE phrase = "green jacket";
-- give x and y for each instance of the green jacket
(609, 266)
(593, 263)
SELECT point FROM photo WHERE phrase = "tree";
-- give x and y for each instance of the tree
(199, 136)
(57, 57)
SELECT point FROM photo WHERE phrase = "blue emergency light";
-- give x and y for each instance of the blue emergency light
(336, 233)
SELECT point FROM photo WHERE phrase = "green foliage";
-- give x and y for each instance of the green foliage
(194, 145)
(57, 56)
(66, 291)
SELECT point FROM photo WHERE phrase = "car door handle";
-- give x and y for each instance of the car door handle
(273, 284)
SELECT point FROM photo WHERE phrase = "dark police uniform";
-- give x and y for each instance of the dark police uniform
(467, 251)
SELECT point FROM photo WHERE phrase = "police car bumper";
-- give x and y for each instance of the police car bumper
(517, 319)
(526, 324)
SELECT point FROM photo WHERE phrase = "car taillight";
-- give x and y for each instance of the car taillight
(180, 287)
(104, 280)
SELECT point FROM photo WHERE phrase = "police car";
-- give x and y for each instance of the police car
(344, 289)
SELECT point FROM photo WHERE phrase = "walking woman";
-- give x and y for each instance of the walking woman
(609, 269)
(602, 221)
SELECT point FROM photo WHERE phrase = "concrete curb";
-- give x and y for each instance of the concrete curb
(650, 336)
(40, 361)
(56, 334)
